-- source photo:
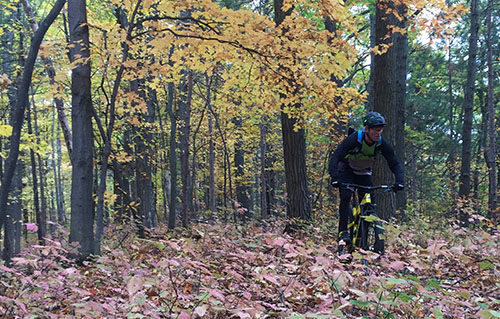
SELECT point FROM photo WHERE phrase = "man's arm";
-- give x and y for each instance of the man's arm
(348, 144)
(393, 162)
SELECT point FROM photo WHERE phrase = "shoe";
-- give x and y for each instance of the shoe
(344, 247)
(345, 237)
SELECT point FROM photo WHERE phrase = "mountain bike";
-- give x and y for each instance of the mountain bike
(365, 227)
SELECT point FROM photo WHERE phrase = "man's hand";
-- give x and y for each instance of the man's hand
(335, 183)
(398, 187)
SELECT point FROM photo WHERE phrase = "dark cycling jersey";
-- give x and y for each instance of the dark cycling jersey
(350, 156)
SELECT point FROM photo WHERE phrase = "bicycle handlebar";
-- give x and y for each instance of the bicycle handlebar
(386, 188)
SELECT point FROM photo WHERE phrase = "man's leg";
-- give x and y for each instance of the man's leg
(345, 210)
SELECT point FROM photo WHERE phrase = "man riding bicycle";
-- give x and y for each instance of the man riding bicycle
(352, 163)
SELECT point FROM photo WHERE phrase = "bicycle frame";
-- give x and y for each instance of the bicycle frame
(359, 211)
(360, 225)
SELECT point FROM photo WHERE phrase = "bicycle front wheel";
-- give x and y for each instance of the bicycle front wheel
(372, 235)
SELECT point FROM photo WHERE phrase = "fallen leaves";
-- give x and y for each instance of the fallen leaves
(257, 274)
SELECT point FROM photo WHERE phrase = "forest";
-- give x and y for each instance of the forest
(169, 158)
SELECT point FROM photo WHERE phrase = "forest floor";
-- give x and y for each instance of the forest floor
(432, 269)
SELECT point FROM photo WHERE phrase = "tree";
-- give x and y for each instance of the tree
(82, 207)
(20, 106)
(51, 72)
(172, 208)
(468, 104)
(294, 148)
(186, 89)
(390, 87)
(491, 150)
(12, 226)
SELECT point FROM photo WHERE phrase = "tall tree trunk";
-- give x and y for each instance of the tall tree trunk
(143, 140)
(59, 195)
(36, 198)
(294, 151)
(194, 191)
(147, 190)
(41, 174)
(481, 145)
(452, 156)
(186, 89)
(491, 150)
(82, 207)
(20, 106)
(239, 162)
(172, 209)
(212, 200)
(12, 229)
(165, 178)
(263, 176)
(390, 93)
(468, 105)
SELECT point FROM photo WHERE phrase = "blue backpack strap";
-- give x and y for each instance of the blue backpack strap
(360, 140)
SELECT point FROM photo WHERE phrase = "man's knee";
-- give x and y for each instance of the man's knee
(345, 195)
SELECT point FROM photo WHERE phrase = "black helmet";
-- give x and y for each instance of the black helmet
(373, 119)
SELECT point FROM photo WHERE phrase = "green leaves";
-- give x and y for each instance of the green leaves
(5, 130)
(371, 218)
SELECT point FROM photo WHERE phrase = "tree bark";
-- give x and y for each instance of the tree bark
(82, 202)
(186, 89)
(56, 167)
(294, 151)
(143, 148)
(21, 103)
(263, 176)
(36, 198)
(491, 150)
(468, 105)
(452, 156)
(390, 94)
(12, 229)
(212, 201)
(42, 227)
(172, 209)
(239, 162)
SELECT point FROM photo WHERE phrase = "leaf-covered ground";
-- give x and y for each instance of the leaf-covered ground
(430, 270)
